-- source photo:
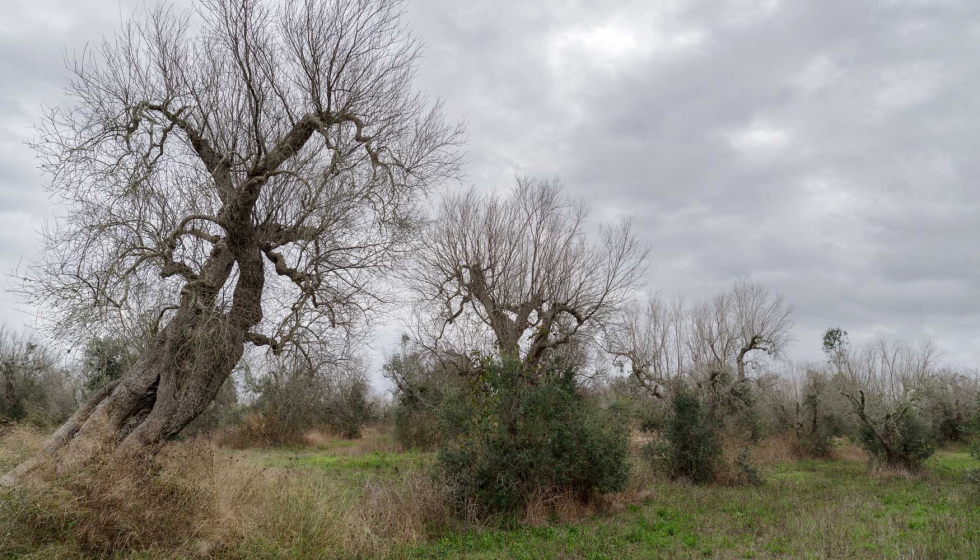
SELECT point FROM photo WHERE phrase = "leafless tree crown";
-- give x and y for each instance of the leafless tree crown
(523, 266)
(666, 342)
(204, 148)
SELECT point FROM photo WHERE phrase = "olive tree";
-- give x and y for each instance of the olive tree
(729, 330)
(649, 337)
(666, 342)
(522, 269)
(241, 173)
(885, 384)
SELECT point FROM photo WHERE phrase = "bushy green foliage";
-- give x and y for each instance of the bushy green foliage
(816, 428)
(902, 439)
(349, 407)
(692, 449)
(814, 440)
(33, 388)
(427, 394)
(973, 431)
(104, 359)
(524, 437)
(973, 475)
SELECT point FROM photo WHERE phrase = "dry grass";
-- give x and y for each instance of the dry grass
(356, 499)
(778, 448)
(845, 450)
(19, 442)
(103, 507)
(203, 501)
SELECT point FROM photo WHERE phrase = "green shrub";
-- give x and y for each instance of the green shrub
(973, 433)
(416, 421)
(522, 437)
(691, 449)
(349, 407)
(815, 429)
(902, 439)
(948, 426)
(424, 384)
(973, 475)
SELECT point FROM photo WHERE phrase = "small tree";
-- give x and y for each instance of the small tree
(423, 383)
(836, 346)
(813, 410)
(348, 404)
(884, 386)
(693, 449)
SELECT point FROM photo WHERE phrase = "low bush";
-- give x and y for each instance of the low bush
(526, 438)
(691, 447)
(416, 425)
(349, 407)
(902, 439)
(293, 400)
(427, 390)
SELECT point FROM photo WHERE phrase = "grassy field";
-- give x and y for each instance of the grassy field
(348, 499)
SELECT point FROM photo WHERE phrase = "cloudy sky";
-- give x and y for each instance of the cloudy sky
(826, 148)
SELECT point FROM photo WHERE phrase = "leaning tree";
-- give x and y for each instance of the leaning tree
(240, 173)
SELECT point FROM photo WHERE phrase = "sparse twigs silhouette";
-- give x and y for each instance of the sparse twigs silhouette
(518, 275)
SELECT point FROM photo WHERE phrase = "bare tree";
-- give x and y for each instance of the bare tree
(651, 339)
(667, 342)
(209, 149)
(729, 329)
(523, 268)
(884, 384)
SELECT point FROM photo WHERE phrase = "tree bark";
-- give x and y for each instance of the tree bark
(178, 375)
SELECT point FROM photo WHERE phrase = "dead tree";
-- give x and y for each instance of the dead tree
(240, 173)
(650, 339)
(522, 269)
(730, 328)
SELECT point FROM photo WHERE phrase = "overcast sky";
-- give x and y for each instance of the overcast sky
(825, 148)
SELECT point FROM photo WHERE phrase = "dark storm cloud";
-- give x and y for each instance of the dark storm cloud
(823, 148)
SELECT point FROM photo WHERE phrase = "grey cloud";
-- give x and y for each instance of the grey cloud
(824, 148)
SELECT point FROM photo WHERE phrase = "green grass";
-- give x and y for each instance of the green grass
(812, 509)
(805, 509)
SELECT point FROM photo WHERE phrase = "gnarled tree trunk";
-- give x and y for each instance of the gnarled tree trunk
(280, 132)
(178, 375)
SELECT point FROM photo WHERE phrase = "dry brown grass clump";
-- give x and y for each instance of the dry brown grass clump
(775, 449)
(105, 506)
(843, 449)
(18, 442)
(289, 513)
(200, 501)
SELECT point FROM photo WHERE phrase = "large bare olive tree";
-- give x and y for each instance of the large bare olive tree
(239, 173)
(522, 269)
